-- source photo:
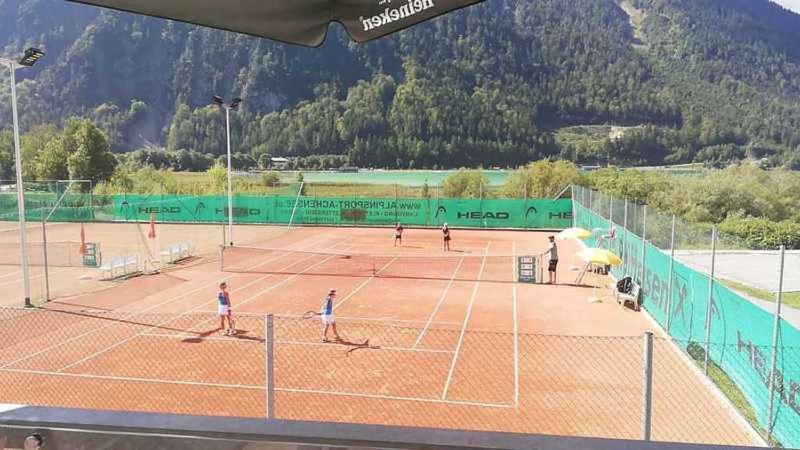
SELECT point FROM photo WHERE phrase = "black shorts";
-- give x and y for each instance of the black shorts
(447, 238)
(553, 265)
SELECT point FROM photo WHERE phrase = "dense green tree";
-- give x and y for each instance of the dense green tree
(466, 184)
(34, 142)
(217, 178)
(7, 155)
(543, 179)
(90, 157)
(52, 161)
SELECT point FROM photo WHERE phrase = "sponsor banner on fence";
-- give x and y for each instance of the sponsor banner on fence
(736, 323)
(531, 214)
(71, 207)
(471, 213)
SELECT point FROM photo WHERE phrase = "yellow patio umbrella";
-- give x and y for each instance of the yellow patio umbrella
(600, 256)
(574, 233)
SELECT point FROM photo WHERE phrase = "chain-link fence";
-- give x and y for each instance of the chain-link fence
(716, 295)
(381, 372)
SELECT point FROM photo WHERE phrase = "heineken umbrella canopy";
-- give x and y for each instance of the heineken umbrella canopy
(303, 22)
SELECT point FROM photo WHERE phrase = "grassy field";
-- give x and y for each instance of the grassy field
(252, 184)
(791, 299)
(410, 178)
(728, 388)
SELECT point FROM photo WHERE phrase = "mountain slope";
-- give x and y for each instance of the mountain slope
(486, 85)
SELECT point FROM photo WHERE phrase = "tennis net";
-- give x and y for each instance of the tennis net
(456, 267)
(59, 254)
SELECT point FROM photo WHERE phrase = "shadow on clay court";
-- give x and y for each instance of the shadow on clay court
(374, 274)
(123, 321)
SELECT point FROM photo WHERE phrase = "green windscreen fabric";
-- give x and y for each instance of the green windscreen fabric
(302, 210)
(73, 207)
(741, 332)
(495, 213)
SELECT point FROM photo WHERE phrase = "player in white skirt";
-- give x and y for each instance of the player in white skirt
(326, 315)
(224, 308)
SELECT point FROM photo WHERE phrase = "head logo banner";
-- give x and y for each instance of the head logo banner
(296, 22)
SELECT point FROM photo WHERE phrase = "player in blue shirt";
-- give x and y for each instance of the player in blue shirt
(327, 316)
(224, 308)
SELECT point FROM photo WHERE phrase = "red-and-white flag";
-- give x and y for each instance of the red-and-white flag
(152, 233)
(83, 241)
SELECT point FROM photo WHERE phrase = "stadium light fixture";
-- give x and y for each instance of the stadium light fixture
(29, 58)
(228, 107)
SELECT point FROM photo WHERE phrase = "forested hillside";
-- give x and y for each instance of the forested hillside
(689, 80)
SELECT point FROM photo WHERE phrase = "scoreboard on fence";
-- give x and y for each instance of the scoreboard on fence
(526, 269)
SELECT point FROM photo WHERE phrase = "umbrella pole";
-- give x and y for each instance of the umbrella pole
(594, 298)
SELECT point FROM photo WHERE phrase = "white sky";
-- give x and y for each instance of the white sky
(794, 5)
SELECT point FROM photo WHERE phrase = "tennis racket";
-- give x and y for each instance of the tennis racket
(231, 322)
(311, 315)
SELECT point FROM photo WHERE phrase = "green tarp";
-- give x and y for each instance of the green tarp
(304, 210)
(493, 213)
(741, 332)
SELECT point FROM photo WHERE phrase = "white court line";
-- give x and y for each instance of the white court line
(351, 294)
(94, 330)
(394, 397)
(516, 328)
(259, 341)
(466, 320)
(440, 302)
(250, 387)
(15, 273)
(137, 379)
(369, 319)
(281, 283)
(400, 349)
(125, 341)
(41, 275)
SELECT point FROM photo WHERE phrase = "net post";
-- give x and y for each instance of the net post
(625, 228)
(45, 218)
(296, 202)
(269, 327)
(775, 334)
(355, 199)
(671, 274)
(222, 258)
(710, 296)
(610, 218)
(46, 266)
(644, 241)
(572, 196)
(480, 197)
(647, 387)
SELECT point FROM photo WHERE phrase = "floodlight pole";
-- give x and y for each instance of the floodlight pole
(233, 104)
(230, 176)
(23, 238)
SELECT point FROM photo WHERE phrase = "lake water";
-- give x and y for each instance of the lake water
(401, 177)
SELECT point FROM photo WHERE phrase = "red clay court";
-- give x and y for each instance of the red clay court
(454, 340)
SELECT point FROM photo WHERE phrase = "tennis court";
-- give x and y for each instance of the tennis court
(453, 341)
